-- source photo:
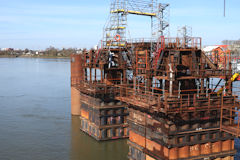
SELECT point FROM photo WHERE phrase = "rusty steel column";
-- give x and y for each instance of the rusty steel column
(77, 76)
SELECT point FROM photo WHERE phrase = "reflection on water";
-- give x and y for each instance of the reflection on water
(90, 149)
(35, 120)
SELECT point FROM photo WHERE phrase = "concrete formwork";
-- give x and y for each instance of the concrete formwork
(103, 120)
(151, 137)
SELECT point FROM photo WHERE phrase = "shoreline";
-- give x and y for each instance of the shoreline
(26, 56)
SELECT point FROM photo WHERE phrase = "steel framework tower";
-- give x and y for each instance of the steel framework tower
(186, 33)
(116, 28)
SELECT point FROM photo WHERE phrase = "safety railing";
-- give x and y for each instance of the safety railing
(193, 74)
(175, 103)
(136, 96)
(144, 6)
(183, 43)
(93, 87)
(142, 40)
(141, 7)
(230, 118)
(90, 100)
(197, 102)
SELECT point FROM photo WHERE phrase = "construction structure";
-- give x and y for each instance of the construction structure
(115, 31)
(102, 117)
(176, 111)
(180, 100)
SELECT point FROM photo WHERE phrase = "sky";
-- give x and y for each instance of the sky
(38, 24)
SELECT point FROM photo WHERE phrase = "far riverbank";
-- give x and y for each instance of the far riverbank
(32, 56)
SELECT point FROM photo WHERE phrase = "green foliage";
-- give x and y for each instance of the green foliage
(48, 52)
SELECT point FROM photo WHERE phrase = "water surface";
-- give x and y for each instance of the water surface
(35, 120)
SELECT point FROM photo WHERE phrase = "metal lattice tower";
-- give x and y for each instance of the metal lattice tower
(117, 24)
(160, 23)
(186, 33)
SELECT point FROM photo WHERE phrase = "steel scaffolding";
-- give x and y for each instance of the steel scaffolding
(115, 31)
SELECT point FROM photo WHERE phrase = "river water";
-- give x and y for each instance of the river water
(35, 118)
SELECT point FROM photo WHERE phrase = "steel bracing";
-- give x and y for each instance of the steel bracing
(115, 31)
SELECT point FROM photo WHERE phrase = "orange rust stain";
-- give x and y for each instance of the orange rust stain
(125, 131)
(216, 147)
(226, 145)
(139, 140)
(232, 144)
(228, 158)
(165, 152)
(149, 158)
(75, 102)
(206, 148)
(77, 71)
(154, 147)
(84, 114)
(195, 150)
(173, 153)
(184, 152)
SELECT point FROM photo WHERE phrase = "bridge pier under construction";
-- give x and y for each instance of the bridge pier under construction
(172, 100)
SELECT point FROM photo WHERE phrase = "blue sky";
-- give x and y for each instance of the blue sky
(38, 24)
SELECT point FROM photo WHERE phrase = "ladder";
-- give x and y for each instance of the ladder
(159, 53)
(141, 62)
(230, 117)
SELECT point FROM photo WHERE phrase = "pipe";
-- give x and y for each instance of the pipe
(171, 79)
(179, 89)
(163, 87)
(207, 86)
(197, 88)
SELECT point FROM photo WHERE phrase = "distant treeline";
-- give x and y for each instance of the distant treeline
(48, 52)
(51, 51)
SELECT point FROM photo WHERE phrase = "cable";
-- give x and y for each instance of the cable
(224, 12)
